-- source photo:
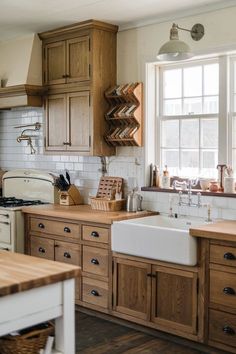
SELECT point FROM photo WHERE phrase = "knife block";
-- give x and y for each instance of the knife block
(71, 197)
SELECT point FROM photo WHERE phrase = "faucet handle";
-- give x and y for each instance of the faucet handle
(199, 199)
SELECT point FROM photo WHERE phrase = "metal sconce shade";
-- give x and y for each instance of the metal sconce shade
(174, 49)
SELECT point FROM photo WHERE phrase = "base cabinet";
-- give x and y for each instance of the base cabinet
(162, 296)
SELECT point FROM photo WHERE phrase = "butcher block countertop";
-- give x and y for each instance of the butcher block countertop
(223, 230)
(84, 213)
(19, 272)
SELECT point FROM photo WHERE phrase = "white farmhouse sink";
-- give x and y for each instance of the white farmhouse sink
(157, 237)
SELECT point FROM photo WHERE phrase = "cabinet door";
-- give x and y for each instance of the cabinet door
(41, 247)
(55, 63)
(77, 50)
(56, 134)
(78, 113)
(174, 299)
(132, 288)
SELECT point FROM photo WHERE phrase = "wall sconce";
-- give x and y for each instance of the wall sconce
(175, 49)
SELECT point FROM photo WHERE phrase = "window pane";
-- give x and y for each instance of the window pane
(211, 104)
(235, 77)
(189, 133)
(172, 107)
(171, 159)
(170, 133)
(234, 160)
(209, 133)
(192, 105)
(172, 83)
(209, 159)
(235, 101)
(211, 79)
(234, 132)
(193, 81)
(190, 163)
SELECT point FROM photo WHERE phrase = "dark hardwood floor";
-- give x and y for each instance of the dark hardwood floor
(98, 336)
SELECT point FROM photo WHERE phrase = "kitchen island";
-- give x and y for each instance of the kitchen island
(32, 291)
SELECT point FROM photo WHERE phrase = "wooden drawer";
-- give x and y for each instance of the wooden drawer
(223, 288)
(41, 247)
(225, 255)
(95, 260)
(95, 292)
(94, 233)
(222, 327)
(67, 252)
(53, 227)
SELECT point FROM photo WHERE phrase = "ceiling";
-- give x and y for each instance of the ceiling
(22, 17)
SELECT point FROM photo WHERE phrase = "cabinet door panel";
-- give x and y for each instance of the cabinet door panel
(78, 59)
(55, 65)
(56, 122)
(174, 295)
(132, 288)
(78, 112)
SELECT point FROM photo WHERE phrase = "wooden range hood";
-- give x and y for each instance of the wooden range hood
(21, 96)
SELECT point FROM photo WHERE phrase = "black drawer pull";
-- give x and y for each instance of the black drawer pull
(42, 250)
(229, 256)
(94, 293)
(229, 291)
(67, 229)
(94, 261)
(67, 255)
(94, 234)
(41, 226)
(151, 275)
(228, 330)
(4, 249)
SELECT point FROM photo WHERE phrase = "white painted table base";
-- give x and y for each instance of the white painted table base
(27, 308)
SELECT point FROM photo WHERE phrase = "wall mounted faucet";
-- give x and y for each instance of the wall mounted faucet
(26, 137)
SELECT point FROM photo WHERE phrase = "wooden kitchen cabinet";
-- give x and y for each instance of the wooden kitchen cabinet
(165, 297)
(68, 126)
(79, 64)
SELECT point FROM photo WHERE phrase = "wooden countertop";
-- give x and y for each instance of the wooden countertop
(83, 213)
(19, 272)
(223, 230)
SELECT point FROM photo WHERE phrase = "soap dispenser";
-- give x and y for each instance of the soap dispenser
(165, 180)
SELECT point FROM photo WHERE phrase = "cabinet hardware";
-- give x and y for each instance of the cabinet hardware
(66, 143)
(41, 226)
(6, 215)
(89, 140)
(94, 292)
(67, 229)
(42, 250)
(94, 261)
(94, 234)
(4, 248)
(4, 222)
(151, 275)
(228, 291)
(89, 70)
(64, 76)
(228, 330)
(56, 245)
(67, 255)
(229, 256)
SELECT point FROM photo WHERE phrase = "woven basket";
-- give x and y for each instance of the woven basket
(28, 343)
(107, 205)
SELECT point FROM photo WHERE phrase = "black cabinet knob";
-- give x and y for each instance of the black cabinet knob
(41, 226)
(67, 229)
(94, 292)
(228, 291)
(42, 250)
(229, 256)
(94, 261)
(228, 330)
(67, 255)
(94, 234)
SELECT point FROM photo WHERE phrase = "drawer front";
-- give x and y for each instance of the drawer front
(95, 260)
(223, 288)
(222, 327)
(95, 292)
(94, 233)
(41, 247)
(223, 255)
(53, 227)
(67, 252)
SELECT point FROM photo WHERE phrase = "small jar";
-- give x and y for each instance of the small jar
(214, 187)
(229, 185)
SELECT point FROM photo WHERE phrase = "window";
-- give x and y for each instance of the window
(233, 110)
(189, 118)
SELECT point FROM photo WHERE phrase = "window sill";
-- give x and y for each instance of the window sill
(194, 191)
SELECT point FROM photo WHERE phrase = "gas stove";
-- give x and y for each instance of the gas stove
(12, 202)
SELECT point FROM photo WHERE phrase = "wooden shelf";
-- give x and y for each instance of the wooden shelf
(125, 115)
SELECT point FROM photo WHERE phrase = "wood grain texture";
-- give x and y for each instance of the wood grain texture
(19, 272)
(218, 321)
(44, 226)
(95, 234)
(220, 230)
(84, 213)
(95, 260)
(218, 252)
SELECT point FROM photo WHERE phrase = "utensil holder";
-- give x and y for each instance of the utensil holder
(71, 197)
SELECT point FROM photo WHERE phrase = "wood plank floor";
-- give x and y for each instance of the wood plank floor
(98, 336)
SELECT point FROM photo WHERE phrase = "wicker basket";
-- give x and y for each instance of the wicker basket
(106, 204)
(28, 343)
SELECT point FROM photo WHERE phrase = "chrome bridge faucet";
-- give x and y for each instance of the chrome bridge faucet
(188, 186)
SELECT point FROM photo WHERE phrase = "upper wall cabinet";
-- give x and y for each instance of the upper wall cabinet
(79, 64)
